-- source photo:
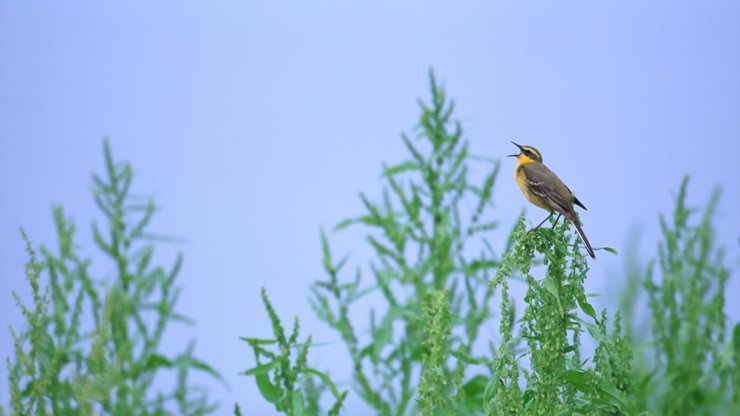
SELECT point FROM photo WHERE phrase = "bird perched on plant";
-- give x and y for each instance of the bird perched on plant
(542, 187)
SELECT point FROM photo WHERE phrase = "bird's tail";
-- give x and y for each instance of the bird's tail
(583, 237)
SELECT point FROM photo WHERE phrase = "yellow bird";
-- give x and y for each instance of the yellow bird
(542, 187)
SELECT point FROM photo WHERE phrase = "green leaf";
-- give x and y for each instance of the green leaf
(550, 287)
(476, 386)
(578, 379)
(202, 366)
(616, 398)
(489, 392)
(595, 332)
(384, 332)
(485, 264)
(178, 317)
(412, 149)
(262, 369)
(297, 400)
(582, 381)
(586, 307)
(258, 341)
(345, 223)
(269, 391)
(469, 359)
(609, 249)
(365, 219)
(326, 257)
(156, 360)
(401, 167)
(325, 378)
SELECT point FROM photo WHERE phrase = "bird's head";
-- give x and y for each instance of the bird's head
(527, 154)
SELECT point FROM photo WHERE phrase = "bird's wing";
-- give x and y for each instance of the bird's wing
(544, 184)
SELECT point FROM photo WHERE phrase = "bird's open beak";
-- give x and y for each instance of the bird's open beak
(516, 155)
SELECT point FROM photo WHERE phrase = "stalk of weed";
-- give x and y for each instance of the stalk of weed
(436, 393)
(292, 388)
(420, 231)
(694, 367)
(547, 348)
(92, 346)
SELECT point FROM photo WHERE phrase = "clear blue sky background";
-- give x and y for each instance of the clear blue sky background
(256, 123)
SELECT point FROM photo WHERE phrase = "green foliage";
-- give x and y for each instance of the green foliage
(432, 270)
(437, 393)
(558, 381)
(92, 346)
(435, 296)
(292, 389)
(694, 367)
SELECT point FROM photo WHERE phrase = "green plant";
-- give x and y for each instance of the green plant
(437, 394)
(694, 367)
(92, 346)
(558, 380)
(435, 295)
(292, 389)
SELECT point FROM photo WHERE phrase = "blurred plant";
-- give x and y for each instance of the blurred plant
(436, 296)
(437, 394)
(292, 389)
(92, 346)
(695, 368)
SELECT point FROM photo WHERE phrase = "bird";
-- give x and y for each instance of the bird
(543, 188)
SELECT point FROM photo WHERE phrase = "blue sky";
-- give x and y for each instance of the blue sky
(256, 123)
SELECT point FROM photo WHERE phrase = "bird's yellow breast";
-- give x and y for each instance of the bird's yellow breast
(521, 180)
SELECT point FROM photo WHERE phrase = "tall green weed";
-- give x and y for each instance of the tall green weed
(691, 360)
(293, 388)
(92, 345)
